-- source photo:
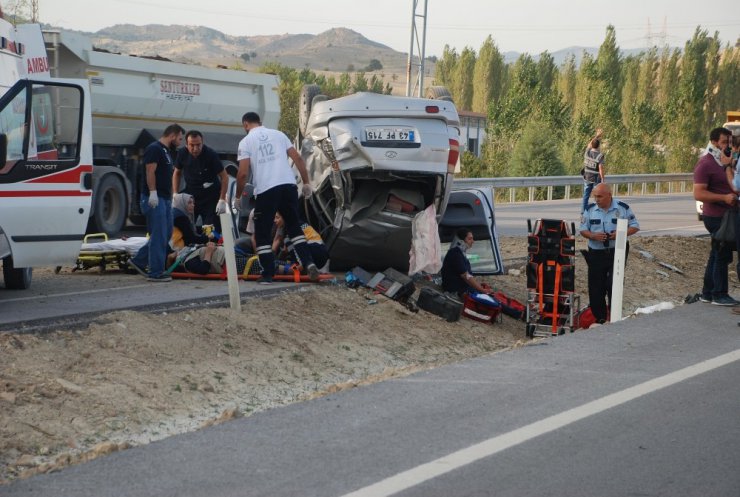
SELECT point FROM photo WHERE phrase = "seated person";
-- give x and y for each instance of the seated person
(456, 277)
(283, 247)
(208, 259)
(184, 232)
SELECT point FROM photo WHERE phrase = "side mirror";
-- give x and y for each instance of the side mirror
(3, 149)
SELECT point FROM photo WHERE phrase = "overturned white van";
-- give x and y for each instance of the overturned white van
(375, 161)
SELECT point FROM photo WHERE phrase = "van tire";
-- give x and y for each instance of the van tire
(110, 209)
(439, 93)
(308, 92)
(16, 278)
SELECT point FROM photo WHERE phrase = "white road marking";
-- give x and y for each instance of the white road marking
(469, 455)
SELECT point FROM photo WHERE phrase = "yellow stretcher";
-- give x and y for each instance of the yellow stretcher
(102, 259)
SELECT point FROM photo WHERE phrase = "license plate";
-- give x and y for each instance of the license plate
(389, 134)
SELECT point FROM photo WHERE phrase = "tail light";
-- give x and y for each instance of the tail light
(453, 156)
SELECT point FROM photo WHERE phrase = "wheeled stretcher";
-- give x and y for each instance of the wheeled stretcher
(552, 304)
(97, 251)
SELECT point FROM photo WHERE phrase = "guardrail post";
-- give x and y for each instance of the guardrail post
(657, 188)
(512, 195)
(531, 193)
(567, 192)
(629, 189)
(549, 193)
(644, 188)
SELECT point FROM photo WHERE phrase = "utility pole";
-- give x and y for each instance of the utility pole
(420, 47)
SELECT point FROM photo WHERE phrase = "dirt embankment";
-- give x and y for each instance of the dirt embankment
(131, 378)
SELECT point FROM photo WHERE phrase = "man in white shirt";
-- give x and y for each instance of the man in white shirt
(265, 153)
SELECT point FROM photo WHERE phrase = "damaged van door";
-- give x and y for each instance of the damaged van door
(473, 209)
(375, 161)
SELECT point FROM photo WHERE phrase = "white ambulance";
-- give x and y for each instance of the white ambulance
(44, 170)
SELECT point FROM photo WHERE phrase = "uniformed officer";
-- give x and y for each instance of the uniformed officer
(599, 226)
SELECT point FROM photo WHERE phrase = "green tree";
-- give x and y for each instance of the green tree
(533, 153)
(445, 67)
(567, 81)
(488, 76)
(462, 80)
(374, 65)
(547, 72)
(360, 83)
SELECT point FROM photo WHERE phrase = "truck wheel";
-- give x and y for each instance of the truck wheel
(439, 93)
(304, 107)
(109, 211)
(16, 278)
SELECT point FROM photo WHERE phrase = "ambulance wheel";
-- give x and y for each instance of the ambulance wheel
(16, 278)
(109, 210)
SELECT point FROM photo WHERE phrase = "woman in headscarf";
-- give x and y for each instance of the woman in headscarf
(456, 277)
(184, 232)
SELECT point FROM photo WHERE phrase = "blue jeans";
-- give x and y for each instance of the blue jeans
(159, 222)
(720, 256)
(587, 189)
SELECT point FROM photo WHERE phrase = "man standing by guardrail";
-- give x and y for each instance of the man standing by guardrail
(712, 188)
(593, 168)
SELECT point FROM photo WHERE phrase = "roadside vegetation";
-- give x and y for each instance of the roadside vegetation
(655, 108)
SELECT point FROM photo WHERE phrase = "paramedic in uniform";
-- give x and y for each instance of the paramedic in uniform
(265, 153)
(599, 227)
(205, 178)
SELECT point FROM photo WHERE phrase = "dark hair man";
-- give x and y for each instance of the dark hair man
(205, 178)
(712, 188)
(156, 203)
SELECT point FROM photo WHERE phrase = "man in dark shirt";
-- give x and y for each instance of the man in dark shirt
(156, 203)
(712, 188)
(205, 178)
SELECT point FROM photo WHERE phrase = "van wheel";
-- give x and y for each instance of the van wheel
(439, 93)
(16, 278)
(109, 211)
(308, 92)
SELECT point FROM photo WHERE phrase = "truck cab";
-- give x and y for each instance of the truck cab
(375, 161)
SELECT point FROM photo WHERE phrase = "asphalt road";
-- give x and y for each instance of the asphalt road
(658, 214)
(647, 406)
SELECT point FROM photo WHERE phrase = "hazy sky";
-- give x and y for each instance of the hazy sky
(518, 25)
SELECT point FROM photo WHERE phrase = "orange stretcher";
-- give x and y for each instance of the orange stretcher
(296, 277)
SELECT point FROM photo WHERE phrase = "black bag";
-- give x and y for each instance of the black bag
(440, 304)
(726, 232)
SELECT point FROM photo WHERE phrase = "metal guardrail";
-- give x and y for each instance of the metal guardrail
(625, 184)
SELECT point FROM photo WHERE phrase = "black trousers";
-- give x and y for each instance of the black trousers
(282, 199)
(600, 278)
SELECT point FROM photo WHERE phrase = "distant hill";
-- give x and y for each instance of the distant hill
(333, 51)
